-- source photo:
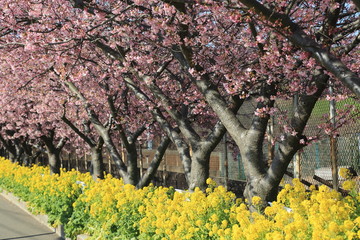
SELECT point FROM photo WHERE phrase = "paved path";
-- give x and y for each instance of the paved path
(17, 224)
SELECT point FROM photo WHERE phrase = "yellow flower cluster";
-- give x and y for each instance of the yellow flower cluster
(345, 173)
(108, 209)
(187, 215)
(162, 213)
(45, 193)
(319, 214)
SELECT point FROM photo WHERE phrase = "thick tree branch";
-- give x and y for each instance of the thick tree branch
(183, 124)
(137, 133)
(61, 143)
(157, 115)
(164, 124)
(154, 164)
(77, 131)
(118, 125)
(292, 144)
(110, 52)
(102, 131)
(48, 141)
(306, 42)
(211, 95)
(219, 129)
(5, 143)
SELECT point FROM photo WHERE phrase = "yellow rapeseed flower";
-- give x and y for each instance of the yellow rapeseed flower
(214, 218)
(349, 185)
(344, 173)
(256, 200)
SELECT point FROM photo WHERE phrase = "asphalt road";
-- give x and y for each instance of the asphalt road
(17, 224)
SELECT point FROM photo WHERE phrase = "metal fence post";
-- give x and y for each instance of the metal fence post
(109, 163)
(297, 160)
(141, 160)
(271, 147)
(226, 161)
(333, 140)
(76, 162)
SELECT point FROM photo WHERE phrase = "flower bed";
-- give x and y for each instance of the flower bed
(108, 209)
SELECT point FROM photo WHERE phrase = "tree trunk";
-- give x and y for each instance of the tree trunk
(97, 163)
(52, 151)
(12, 156)
(114, 154)
(132, 168)
(19, 153)
(10, 149)
(26, 160)
(33, 157)
(262, 181)
(54, 162)
(186, 162)
(254, 164)
(200, 164)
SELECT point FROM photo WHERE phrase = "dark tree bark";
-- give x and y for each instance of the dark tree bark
(53, 151)
(97, 160)
(30, 153)
(10, 148)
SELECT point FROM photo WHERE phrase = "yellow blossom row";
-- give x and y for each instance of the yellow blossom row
(117, 211)
(108, 209)
(45, 193)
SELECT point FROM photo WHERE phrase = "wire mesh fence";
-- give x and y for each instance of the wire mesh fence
(343, 145)
(315, 160)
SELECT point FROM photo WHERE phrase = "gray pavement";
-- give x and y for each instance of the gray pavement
(15, 223)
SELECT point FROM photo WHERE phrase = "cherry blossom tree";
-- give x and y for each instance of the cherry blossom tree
(276, 64)
(201, 44)
(27, 124)
(191, 64)
(124, 128)
(63, 73)
(191, 148)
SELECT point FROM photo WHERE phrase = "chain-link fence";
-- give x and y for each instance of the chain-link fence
(313, 163)
(341, 146)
